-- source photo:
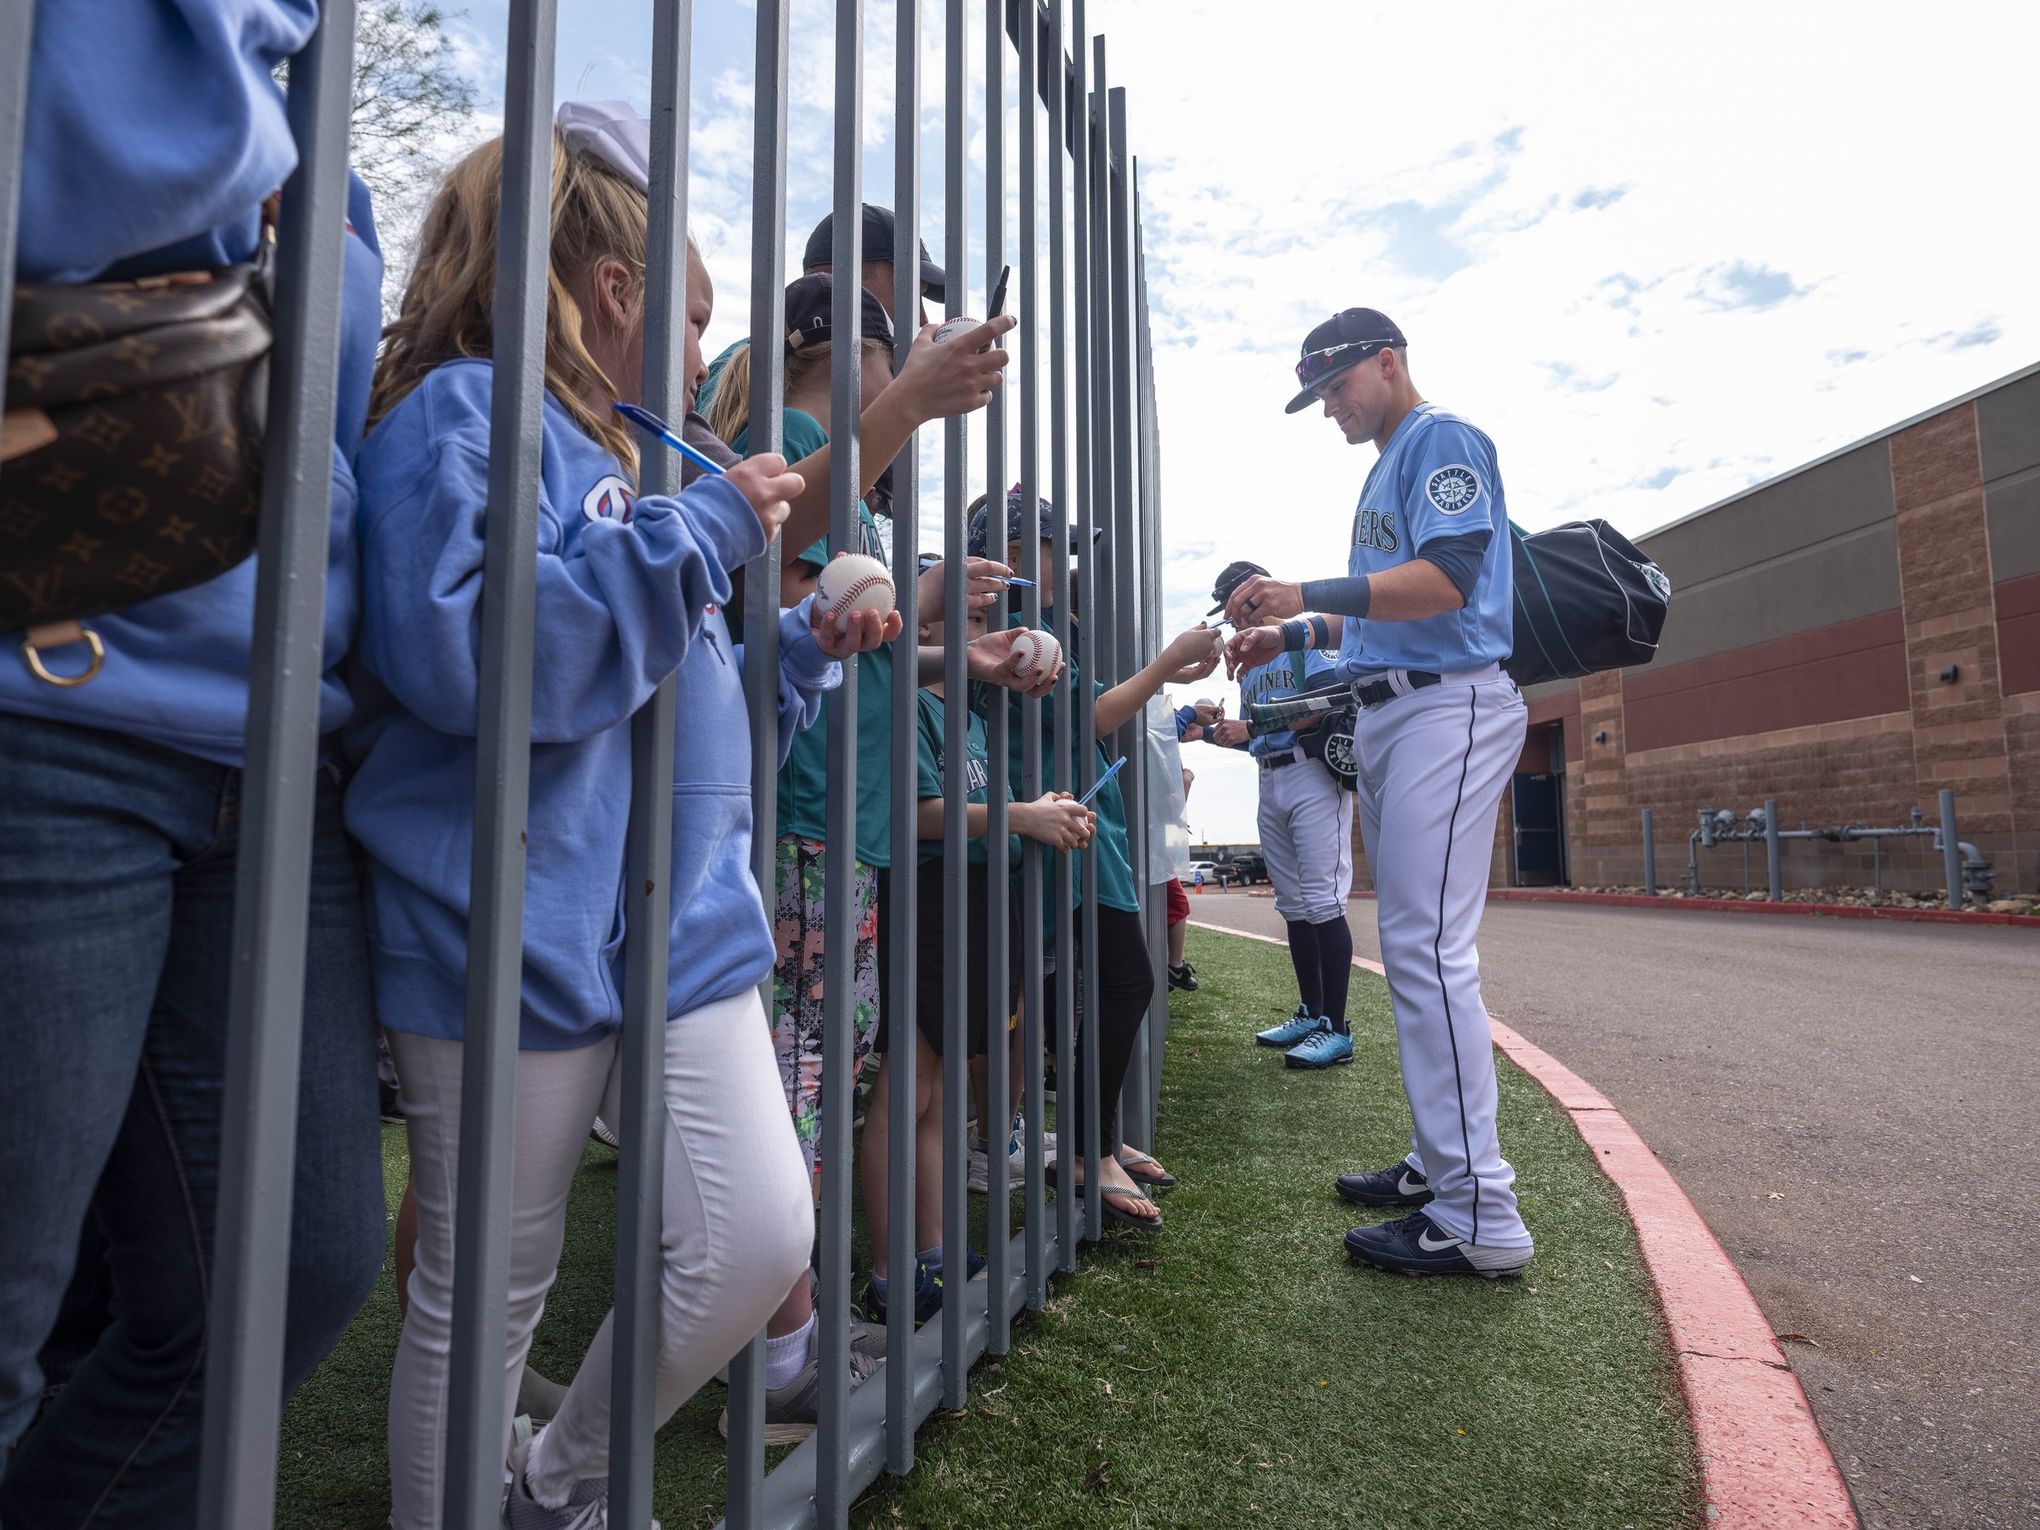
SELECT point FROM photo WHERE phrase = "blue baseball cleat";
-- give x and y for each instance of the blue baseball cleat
(1289, 1032)
(1415, 1245)
(1322, 1048)
(1399, 1186)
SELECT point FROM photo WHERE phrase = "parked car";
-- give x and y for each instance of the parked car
(1202, 872)
(1245, 869)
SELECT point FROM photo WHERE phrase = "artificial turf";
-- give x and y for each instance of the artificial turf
(1234, 1368)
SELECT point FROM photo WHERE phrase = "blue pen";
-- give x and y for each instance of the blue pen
(1098, 785)
(644, 419)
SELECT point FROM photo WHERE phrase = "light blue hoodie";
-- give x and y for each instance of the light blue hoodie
(627, 592)
(173, 180)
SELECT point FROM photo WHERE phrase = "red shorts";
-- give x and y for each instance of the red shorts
(1179, 902)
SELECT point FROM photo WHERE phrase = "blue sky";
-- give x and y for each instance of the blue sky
(1658, 254)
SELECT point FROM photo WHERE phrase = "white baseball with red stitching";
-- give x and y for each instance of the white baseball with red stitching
(1038, 653)
(854, 583)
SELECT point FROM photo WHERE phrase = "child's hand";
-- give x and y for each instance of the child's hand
(1195, 654)
(992, 660)
(955, 377)
(1059, 821)
(984, 585)
(1254, 645)
(770, 486)
(865, 630)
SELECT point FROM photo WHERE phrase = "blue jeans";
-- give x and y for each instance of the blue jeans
(116, 921)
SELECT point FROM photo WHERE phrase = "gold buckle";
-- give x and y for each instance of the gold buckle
(59, 635)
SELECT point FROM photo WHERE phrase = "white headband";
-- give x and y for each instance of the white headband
(611, 131)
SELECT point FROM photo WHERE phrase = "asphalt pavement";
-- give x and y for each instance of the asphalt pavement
(1854, 1107)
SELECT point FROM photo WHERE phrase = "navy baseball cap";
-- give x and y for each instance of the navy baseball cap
(980, 525)
(1235, 575)
(1342, 341)
(880, 236)
(810, 304)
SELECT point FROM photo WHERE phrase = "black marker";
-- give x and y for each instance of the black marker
(999, 293)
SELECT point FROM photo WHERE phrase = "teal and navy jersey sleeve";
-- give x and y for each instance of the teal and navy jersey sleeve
(927, 745)
(622, 587)
(1437, 479)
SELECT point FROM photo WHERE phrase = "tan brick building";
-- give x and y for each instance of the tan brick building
(1849, 638)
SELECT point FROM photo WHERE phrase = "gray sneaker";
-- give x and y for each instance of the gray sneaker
(586, 1508)
(792, 1411)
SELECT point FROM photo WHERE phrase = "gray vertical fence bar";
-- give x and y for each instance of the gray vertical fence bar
(17, 27)
(1126, 532)
(1951, 849)
(832, 1482)
(901, 916)
(641, 1165)
(1087, 628)
(1060, 768)
(1149, 446)
(995, 1111)
(1771, 844)
(265, 1004)
(1032, 997)
(1650, 856)
(474, 1445)
(744, 1460)
(955, 948)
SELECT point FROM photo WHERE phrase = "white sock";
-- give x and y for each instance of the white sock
(786, 1357)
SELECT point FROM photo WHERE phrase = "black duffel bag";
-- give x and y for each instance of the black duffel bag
(1586, 600)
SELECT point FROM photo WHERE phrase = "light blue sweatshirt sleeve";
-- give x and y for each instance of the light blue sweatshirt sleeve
(153, 129)
(806, 674)
(618, 604)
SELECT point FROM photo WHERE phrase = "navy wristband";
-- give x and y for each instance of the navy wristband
(1349, 596)
(1295, 636)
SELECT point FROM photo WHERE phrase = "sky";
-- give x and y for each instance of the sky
(1659, 254)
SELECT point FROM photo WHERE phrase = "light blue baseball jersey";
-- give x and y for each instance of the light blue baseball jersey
(1276, 679)
(1436, 478)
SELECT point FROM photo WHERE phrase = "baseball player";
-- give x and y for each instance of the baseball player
(1422, 621)
(1306, 820)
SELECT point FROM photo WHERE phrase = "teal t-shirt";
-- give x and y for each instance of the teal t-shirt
(1115, 865)
(804, 778)
(934, 717)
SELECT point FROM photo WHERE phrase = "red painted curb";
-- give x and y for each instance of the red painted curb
(1763, 1462)
(1735, 906)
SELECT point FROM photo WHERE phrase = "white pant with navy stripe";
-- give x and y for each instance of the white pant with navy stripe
(1307, 840)
(1433, 764)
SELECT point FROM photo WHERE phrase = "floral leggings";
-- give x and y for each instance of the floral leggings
(800, 884)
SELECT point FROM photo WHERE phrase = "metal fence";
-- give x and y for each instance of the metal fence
(1095, 444)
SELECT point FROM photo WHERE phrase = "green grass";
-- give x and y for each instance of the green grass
(1235, 1368)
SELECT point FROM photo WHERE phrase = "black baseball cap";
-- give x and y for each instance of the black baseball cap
(1344, 340)
(1235, 575)
(809, 302)
(980, 525)
(879, 239)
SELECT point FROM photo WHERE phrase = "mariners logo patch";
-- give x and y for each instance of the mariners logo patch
(1658, 581)
(1452, 489)
(608, 500)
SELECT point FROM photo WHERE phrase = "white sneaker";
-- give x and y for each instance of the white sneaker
(1016, 1157)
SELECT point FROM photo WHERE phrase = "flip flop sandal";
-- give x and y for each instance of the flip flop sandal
(1112, 1212)
(1133, 1158)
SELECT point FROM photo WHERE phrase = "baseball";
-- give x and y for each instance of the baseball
(954, 327)
(1037, 652)
(854, 582)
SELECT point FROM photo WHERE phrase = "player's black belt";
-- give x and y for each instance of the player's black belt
(1372, 693)
(1277, 761)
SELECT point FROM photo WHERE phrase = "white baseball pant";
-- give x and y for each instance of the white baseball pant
(1306, 822)
(1433, 764)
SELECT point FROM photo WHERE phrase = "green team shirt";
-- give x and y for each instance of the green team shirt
(804, 778)
(1115, 865)
(934, 718)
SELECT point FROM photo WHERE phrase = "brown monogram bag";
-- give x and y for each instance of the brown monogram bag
(133, 444)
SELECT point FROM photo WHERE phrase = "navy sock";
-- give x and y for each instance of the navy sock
(1303, 956)
(1335, 967)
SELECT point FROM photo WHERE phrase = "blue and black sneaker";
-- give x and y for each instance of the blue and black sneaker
(927, 1288)
(1289, 1032)
(1399, 1186)
(1322, 1048)
(1415, 1245)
